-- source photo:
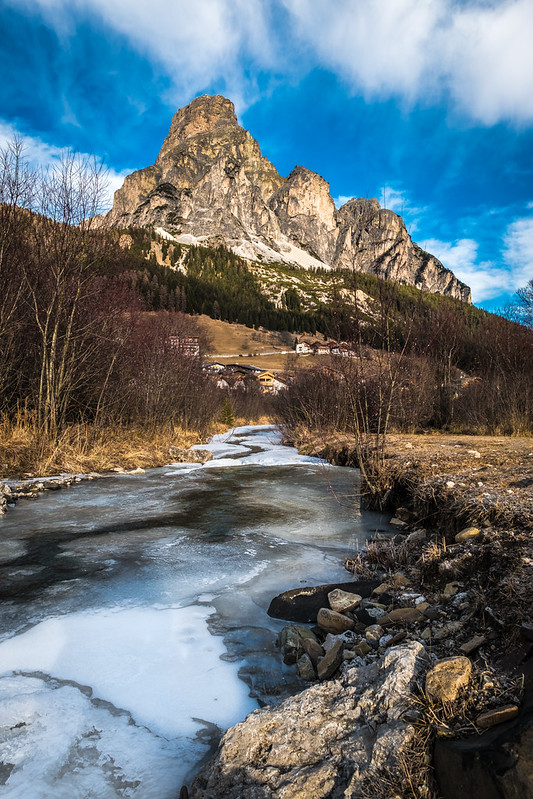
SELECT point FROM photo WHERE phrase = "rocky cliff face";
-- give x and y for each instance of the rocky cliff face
(210, 183)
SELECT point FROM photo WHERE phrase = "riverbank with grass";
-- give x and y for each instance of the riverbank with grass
(80, 449)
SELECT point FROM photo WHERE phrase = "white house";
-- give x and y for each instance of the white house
(303, 348)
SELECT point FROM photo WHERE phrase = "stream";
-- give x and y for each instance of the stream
(133, 624)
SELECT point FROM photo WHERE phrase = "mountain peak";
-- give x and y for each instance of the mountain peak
(210, 183)
(202, 115)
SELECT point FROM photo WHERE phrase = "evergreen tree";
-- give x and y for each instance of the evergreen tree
(226, 414)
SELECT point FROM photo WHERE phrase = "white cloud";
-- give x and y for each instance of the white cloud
(195, 43)
(476, 54)
(489, 279)
(399, 201)
(518, 250)
(342, 199)
(485, 279)
(42, 155)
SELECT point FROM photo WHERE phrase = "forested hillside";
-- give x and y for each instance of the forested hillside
(216, 282)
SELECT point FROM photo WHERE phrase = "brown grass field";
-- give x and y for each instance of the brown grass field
(234, 339)
(247, 346)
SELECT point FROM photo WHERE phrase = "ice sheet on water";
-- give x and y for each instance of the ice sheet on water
(281, 456)
(221, 448)
(161, 665)
(236, 539)
(184, 466)
(257, 430)
(179, 469)
(245, 441)
(63, 744)
(222, 463)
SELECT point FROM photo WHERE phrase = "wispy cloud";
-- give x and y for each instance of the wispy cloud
(193, 43)
(397, 200)
(42, 155)
(485, 279)
(342, 199)
(476, 57)
(518, 249)
(511, 268)
(400, 201)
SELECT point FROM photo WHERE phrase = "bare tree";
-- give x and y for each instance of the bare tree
(16, 187)
(61, 273)
(525, 303)
(372, 375)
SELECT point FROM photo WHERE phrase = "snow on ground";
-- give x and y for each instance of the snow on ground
(226, 448)
(285, 251)
(165, 234)
(68, 745)
(188, 238)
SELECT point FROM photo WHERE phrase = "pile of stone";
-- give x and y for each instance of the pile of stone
(5, 494)
(352, 628)
(31, 488)
(182, 455)
(357, 733)
(368, 656)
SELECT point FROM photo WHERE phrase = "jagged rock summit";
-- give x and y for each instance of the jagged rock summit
(210, 184)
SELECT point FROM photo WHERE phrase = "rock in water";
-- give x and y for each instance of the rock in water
(302, 604)
(291, 641)
(211, 182)
(331, 740)
(306, 669)
(331, 662)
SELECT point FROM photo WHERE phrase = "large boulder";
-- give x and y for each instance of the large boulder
(302, 604)
(332, 622)
(332, 740)
(342, 601)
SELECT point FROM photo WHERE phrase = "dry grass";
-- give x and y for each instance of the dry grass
(447, 482)
(412, 777)
(85, 448)
(234, 338)
(247, 346)
(441, 476)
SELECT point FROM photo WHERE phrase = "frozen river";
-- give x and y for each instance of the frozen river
(133, 615)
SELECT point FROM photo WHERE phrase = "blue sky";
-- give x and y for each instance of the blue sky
(425, 104)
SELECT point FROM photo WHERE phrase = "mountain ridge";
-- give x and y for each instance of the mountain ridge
(210, 184)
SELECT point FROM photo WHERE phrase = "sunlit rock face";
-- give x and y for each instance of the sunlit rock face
(338, 739)
(211, 182)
